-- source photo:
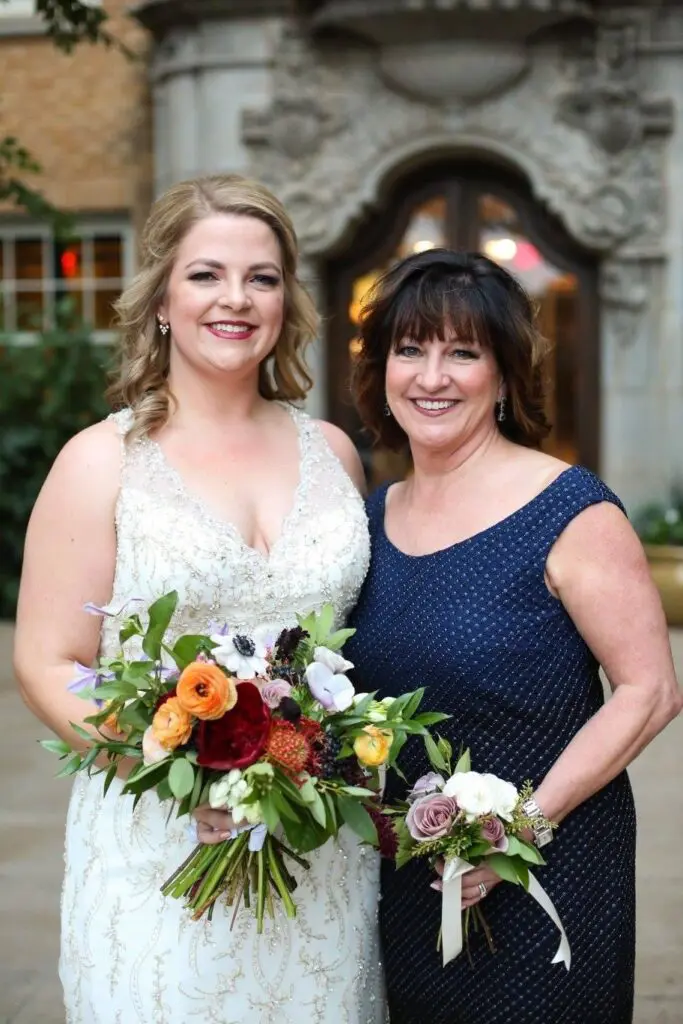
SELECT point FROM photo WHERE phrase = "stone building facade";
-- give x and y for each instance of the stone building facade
(552, 129)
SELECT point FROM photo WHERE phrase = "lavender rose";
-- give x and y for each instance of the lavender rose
(274, 692)
(426, 784)
(493, 832)
(431, 817)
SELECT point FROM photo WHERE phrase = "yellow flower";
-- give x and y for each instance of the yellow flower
(373, 745)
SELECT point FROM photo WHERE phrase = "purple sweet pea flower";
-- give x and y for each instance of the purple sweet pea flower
(425, 785)
(217, 629)
(111, 610)
(431, 817)
(88, 679)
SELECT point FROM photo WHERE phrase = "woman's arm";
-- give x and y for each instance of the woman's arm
(598, 569)
(69, 559)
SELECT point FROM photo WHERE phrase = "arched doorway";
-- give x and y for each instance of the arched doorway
(474, 206)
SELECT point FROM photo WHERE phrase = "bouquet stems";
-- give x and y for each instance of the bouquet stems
(233, 871)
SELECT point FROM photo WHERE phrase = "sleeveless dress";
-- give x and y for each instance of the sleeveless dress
(130, 956)
(476, 624)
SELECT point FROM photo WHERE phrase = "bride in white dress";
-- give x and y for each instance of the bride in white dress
(208, 482)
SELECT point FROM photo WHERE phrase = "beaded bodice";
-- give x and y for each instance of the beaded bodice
(167, 539)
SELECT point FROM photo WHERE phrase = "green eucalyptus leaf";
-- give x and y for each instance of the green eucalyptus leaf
(358, 819)
(60, 747)
(269, 813)
(181, 778)
(109, 777)
(160, 615)
(434, 754)
(503, 867)
(464, 762)
(186, 649)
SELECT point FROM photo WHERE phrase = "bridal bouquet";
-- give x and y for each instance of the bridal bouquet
(266, 726)
(464, 819)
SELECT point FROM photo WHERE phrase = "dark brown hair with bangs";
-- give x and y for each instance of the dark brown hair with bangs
(442, 293)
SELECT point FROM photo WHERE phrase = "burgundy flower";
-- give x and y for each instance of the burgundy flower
(238, 738)
(493, 832)
(388, 840)
(431, 817)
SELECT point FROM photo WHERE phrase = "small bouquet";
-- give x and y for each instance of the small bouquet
(465, 819)
(266, 726)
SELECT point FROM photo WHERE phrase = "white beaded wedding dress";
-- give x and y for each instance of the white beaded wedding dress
(130, 956)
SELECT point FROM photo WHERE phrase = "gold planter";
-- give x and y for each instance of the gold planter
(666, 565)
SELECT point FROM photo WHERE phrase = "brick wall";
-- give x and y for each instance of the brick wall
(84, 116)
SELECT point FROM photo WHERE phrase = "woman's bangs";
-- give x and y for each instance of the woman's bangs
(428, 309)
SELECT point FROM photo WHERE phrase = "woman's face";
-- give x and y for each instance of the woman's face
(225, 296)
(442, 393)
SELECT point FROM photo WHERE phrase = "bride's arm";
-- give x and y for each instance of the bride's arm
(69, 559)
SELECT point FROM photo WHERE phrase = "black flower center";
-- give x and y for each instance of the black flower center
(244, 645)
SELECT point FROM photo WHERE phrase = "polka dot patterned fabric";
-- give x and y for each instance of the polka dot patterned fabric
(476, 625)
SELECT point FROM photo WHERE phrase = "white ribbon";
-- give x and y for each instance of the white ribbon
(451, 912)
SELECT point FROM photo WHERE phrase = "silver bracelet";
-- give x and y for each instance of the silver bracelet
(543, 834)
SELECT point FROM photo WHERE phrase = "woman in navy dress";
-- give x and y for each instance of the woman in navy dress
(501, 578)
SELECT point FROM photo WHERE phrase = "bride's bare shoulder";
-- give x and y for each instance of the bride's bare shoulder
(93, 455)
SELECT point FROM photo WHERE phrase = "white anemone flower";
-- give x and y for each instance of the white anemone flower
(244, 655)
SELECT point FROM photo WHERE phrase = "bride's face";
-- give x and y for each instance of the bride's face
(225, 297)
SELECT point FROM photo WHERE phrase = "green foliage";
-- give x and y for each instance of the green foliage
(662, 523)
(48, 392)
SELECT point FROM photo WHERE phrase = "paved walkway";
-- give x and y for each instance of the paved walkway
(32, 811)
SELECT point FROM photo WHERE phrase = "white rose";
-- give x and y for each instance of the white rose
(219, 794)
(473, 793)
(251, 813)
(152, 750)
(505, 797)
(330, 659)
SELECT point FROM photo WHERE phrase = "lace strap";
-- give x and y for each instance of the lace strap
(123, 421)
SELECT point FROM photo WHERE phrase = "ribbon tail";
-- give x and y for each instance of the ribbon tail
(451, 909)
(536, 890)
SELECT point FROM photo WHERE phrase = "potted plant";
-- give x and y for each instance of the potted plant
(661, 530)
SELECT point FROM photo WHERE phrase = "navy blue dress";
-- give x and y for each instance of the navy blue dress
(476, 624)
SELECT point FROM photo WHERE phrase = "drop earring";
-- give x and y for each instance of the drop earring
(163, 327)
(501, 408)
(387, 410)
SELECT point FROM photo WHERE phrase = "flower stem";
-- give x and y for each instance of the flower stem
(260, 891)
(274, 864)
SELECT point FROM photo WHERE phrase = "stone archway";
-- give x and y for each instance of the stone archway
(575, 119)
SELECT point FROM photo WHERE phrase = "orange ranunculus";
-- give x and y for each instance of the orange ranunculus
(111, 722)
(373, 745)
(205, 692)
(172, 725)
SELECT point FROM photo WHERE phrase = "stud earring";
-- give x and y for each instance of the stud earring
(501, 408)
(163, 327)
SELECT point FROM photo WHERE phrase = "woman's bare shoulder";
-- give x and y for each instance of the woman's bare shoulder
(92, 457)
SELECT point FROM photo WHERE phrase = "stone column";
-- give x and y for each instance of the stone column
(204, 75)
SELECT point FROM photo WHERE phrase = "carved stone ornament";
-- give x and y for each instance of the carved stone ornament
(625, 294)
(336, 133)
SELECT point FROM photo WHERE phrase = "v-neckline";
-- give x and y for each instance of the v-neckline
(206, 512)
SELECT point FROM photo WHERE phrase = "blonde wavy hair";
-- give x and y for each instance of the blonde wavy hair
(141, 379)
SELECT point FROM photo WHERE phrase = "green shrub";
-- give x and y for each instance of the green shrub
(662, 523)
(48, 392)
